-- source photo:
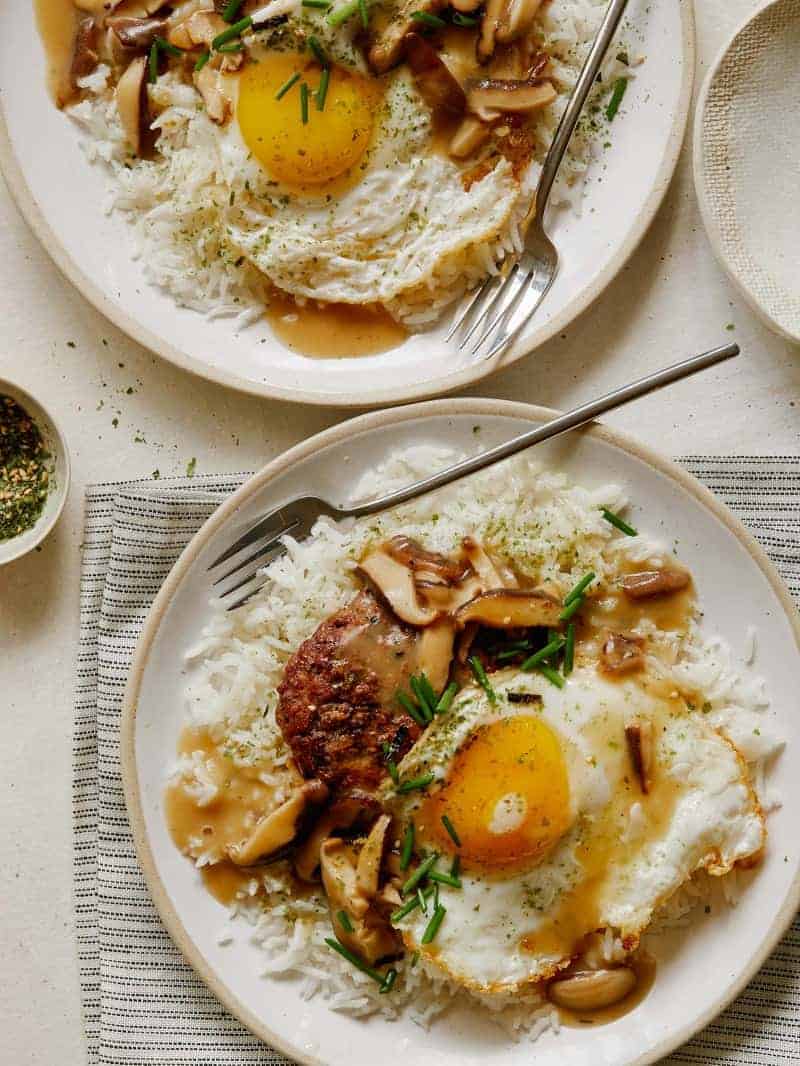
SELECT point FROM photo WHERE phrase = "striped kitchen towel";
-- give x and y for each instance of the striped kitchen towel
(143, 1005)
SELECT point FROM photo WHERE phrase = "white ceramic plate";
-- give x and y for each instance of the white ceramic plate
(60, 194)
(747, 161)
(667, 502)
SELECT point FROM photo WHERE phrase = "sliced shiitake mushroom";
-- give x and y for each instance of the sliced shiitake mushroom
(281, 827)
(516, 19)
(132, 103)
(435, 652)
(646, 583)
(437, 86)
(485, 44)
(343, 813)
(622, 653)
(639, 735)
(488, 97)
(469, 137)
(84, 54)
(590, 990)
(410, 552)
(370, 936)
(483, 566)
(370, 858)
(134, 34)
(395, 581)
(510, 609)
(210, 83)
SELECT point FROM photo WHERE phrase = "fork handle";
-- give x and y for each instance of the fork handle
(577, 417)
(583, 86)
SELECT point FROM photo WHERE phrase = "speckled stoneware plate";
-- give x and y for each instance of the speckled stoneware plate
(62, 197)
(747, 162)
(688, 990)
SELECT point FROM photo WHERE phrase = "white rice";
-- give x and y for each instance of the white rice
(554, 531)
(179, 203)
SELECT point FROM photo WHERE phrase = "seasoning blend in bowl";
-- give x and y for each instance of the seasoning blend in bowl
(34, 472)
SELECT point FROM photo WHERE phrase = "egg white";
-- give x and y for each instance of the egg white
(712, 821)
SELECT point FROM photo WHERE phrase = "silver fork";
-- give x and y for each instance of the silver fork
(506, 301)
(261, 543)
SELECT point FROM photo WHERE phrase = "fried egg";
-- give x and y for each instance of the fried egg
(556, 837)
(352, 205)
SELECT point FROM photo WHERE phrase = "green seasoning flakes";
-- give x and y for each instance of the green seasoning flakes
(25, 470)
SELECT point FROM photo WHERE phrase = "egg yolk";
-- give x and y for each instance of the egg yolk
(507, 794)
(323, 147)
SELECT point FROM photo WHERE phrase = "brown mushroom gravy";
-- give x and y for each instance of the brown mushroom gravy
(332, 331)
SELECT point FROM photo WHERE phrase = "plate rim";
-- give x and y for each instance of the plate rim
(699, 176)
(473, 407)
(131, 327)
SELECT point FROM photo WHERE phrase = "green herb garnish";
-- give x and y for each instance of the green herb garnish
(620, 85)
(231, 10)
(201, 62)
(423, 903)
(317, 49)
(571, 609)
(408, 847)
(152, 64)
(236, 30)
(428, 19)
(354, 960)
(415, 783)
(451, 830)
(388, 981)
(433, 925)
(322, 91)
(427, 706)
(343, 13)
(480, 676)
(362, 10)
(25, 470)
(295, 78)
(540, 656)
(444, 879)
(620, 523)
(446, 698)
(569, 650)
(420, 874)
(408, 705)
(464, 20)
(580, 588)
(407, 908)
(553, 676)
(344, 921)
(304, 103)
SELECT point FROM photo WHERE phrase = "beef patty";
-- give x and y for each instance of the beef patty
(338, 706)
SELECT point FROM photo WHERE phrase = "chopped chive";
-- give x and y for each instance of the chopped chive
(580, 588)
(435, 895)
(201, 62)
(388, 982)
(362, 10)
(428, 689)
(168, 47)
(620, 523)
(553, 676)
(422, 700)
(544, 653)
(408, 705)
(620, 85)
(451, 830)
(354, 960)
(317, 49)
(569, 650)
(433, 925)
(152, 65)
(322, 91)
(444, 879)
(394, 773)
(423, 903)
(513, 650)
(228, 49)
(447, 698)
(231, 10)
(295, 78)
(322, 5)
(480, 676)
(236, 30)
(343, 13)
(455, 868)
(464, 20)
(571, 609)
(408, 846)
(415, 783)
(344, 921)
(303, 102)
(407, 908)
(430, 20)
(420, 873)
(414, 959)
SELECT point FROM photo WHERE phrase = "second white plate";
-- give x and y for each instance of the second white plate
(62, 195)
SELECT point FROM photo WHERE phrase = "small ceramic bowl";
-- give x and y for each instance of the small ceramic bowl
(18, 546)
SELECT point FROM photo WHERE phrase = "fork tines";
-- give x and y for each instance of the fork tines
(264, 539)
